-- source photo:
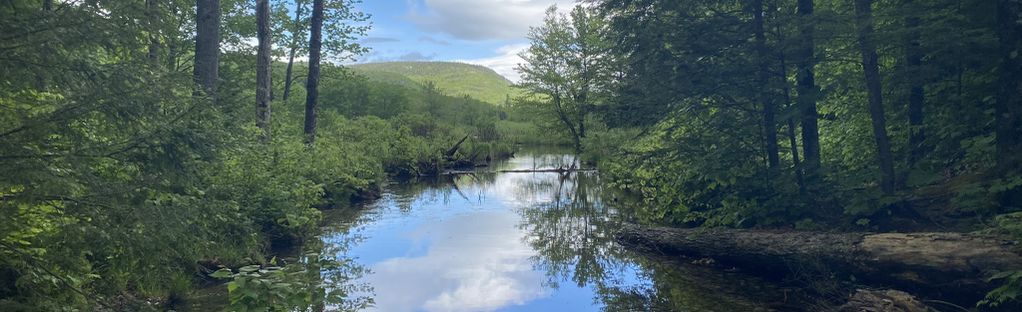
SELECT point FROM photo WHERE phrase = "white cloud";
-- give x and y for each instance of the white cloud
(483, 19)
(475, 262)
(372, 40)
(428, 39)
(505, 62)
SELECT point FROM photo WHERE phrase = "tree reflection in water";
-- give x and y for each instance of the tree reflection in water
(573, 235)
(425, 236)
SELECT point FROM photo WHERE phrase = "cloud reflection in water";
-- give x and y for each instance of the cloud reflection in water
(460, 247)
(476, 262)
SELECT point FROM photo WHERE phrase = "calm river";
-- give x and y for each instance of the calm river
(494, 241)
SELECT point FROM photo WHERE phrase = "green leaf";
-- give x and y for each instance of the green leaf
(222, 273)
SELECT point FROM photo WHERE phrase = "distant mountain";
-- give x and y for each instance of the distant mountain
(452, 78)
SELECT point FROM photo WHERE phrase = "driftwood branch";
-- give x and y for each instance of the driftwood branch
(454, 149)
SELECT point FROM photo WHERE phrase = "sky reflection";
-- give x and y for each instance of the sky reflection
(460, 245)
(474, 262)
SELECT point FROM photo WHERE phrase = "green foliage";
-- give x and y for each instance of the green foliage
(343, 26)
(457, 79)
(299, 286)
(604, 145)
(1009, 224)
(567, 69)
(694, 94)
(1009, 292)
(119, 184)
(685, 119)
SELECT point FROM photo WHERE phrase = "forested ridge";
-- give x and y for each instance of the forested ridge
(456, 78)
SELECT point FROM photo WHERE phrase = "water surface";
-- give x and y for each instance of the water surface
(494, 241)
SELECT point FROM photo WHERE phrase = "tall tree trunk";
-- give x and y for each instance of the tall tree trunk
(566, 119)
(45, 49)
(871, 70)
(263, 67)
(916, 99)
(312, 85)
(792, 136)
(796, 163)
(171, 61)
(295, 41)
(207, 45)
(1009, 96)
(153, 15)
(769, 124)
(583, 107)
(806, 87)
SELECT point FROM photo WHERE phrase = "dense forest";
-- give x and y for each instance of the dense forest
(812, 115)
(145, 145)
(152, 148)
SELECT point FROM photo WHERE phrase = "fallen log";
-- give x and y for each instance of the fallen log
(559, 170)
(555, 170)
(945, 265)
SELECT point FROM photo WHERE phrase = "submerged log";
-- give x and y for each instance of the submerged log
(947, 265)
(883, 301)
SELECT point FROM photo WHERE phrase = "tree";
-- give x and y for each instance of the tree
(916, 99)
(871, 71)
(263, 85)
(796, 163)
(545, 69)
(153, 15)
(1009, 94)
(118, 175)
(434, 97)
(766, 98)
(566, 64)
(312, 85)
(342, 26)
(207, 46)
(296, 33)
(588, 62)
(806, 87)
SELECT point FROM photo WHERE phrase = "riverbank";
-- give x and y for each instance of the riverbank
(542, 238)
(941, 267)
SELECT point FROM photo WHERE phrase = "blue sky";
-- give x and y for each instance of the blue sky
(484, 32)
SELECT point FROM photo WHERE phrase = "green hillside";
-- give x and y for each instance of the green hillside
(453, 78)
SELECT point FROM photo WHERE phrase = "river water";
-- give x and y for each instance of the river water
(493, 241)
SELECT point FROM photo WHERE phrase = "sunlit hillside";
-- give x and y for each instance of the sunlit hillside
(453, 78)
